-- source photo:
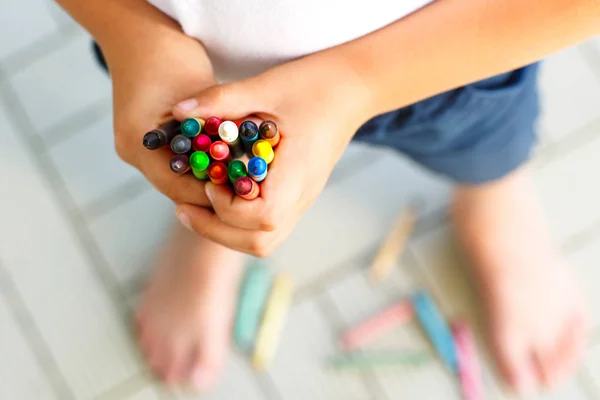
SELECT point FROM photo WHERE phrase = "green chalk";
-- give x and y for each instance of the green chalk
(363, 361)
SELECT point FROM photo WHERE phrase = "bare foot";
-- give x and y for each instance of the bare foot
(536, 314)
(184, 320)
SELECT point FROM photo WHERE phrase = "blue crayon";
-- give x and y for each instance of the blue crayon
(257, 169)
(248, 135)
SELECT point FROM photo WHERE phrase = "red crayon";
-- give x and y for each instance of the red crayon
(217, 172)
(219, 151)
(201, 143)
(211, 126)
(246, 188)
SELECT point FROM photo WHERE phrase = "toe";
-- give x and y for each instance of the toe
(515, 363)
(568, 352)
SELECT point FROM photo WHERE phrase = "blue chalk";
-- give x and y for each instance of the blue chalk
(436, 328)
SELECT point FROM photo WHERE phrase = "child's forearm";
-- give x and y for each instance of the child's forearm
(454, 42)
(125, 26)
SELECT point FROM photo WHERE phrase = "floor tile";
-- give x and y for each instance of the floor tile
(19, 34)
(592, 369)
(570, 93)
(69, 305)
(89, 165)
(238, 383)
(76, 83)
(359, 211)
(20, 374)
(585, 262)
(147, 393)
(61, 17)
(298, 370)
(571, 390)
(356, 300)
(131, 235)
(568, 198)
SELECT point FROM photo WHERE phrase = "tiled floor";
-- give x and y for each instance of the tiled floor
(76, 240)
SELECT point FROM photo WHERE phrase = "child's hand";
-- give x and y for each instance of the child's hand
(318, 105)
(148, 79)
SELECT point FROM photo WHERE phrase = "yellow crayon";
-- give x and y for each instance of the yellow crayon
(263, 149)
(273, 322)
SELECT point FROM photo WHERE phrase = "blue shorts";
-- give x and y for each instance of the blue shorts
(473, 134)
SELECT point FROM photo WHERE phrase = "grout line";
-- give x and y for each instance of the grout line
(71, 125)
(33, 336)
(264, 382)
(334, 319)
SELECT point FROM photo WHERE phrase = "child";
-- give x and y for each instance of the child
(324, 70)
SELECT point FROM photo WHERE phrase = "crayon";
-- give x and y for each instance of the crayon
(246, 188)
(236, 169)
(228, 132)
(273, 322)
(201, 143)
(257, 169)
(469, 367)
(161, 136)
(217, 172)
(181, 144)
(261, 148)
(376, 326)
(191, 127)
(436, 328)
(367, 361)
(219, 151)
(180, 164)
(268, 131)
(199, 162)
(211, 126)
(248, 135)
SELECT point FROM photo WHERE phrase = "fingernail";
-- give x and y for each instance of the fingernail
(184, 219)
(188, 105)
(208, 190)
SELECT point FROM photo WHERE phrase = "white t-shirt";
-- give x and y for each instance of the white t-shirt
(246, 37)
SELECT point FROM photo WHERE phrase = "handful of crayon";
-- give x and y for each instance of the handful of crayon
(214, 150)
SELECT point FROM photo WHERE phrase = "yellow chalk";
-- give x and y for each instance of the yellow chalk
(273, 322)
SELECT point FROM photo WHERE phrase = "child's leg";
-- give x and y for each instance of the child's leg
(535, 310)
(184, 319)
(480, 136)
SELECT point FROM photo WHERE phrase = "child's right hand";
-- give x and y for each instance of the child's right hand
(148, 80)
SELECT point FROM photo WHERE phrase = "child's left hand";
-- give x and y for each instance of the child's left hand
(318, 104)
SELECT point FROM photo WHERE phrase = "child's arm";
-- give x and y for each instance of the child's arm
(149, 61)
(120, 26)
(454, 42)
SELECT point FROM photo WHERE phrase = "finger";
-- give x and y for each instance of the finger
(229, 101)
(237, 212)
(568, 351)
(154, 164)
(515, 364)
(208, 224)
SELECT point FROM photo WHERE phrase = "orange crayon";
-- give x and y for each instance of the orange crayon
(217, 172)
(246, 188)
(219, 151)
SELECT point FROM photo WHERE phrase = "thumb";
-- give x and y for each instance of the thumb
(229, 101)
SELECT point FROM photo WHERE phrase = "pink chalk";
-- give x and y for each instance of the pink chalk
(469, 369)
(374, 327)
